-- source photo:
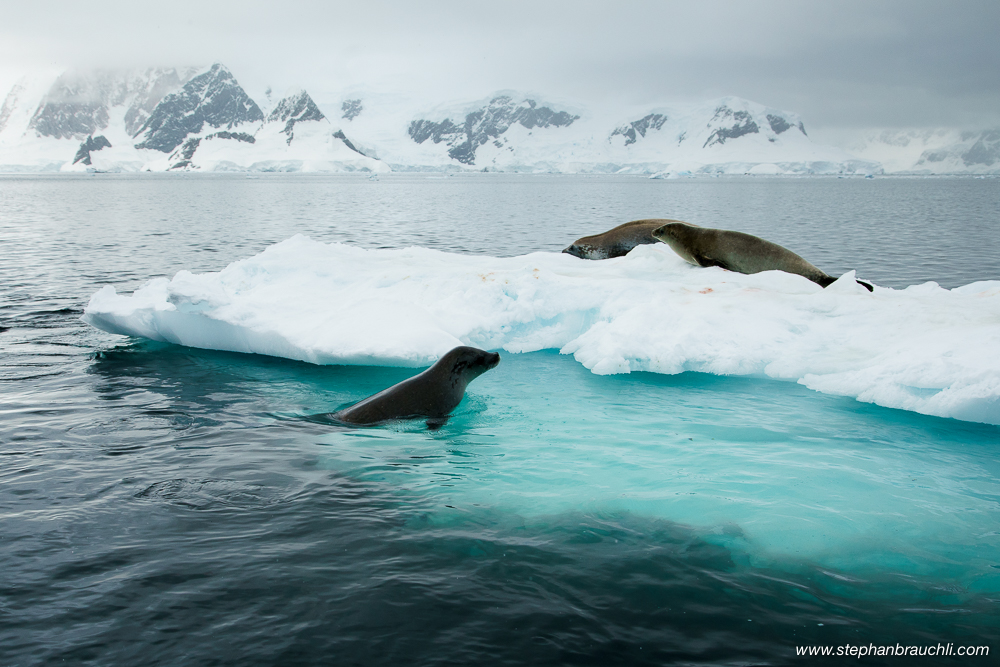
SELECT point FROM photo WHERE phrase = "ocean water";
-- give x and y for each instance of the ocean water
(167, 505)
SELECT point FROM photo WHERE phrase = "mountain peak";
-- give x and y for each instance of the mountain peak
(487, 123)
(213, 98)
(75, 106)
(293, 109)
(79, 102)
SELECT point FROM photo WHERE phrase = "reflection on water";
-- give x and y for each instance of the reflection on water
(166, 505)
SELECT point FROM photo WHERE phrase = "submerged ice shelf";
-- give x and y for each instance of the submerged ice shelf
(924, 348)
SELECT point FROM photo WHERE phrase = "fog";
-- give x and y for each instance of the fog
(840, 64)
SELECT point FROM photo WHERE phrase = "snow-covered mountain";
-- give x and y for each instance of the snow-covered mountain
(940, 151)
(203, 120)
(48, 124)
(166, 119)
(213, 98)
(516, 132)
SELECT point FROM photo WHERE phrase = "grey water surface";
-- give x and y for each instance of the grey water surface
(162, 505)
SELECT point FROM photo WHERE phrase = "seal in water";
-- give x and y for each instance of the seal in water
(432, 394)
(618, 241)
(737, 251)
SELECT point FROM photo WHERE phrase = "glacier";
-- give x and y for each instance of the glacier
(924, 348)
(926, 151)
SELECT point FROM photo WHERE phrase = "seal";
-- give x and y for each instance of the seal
(736, 251)
(618, 241)
(432, 394)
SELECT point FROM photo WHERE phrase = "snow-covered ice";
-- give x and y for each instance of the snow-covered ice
(923, 348)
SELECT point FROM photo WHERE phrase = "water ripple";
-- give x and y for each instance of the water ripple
(162, 505)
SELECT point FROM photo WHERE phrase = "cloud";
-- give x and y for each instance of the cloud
(846, 63)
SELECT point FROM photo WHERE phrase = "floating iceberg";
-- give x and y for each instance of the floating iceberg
(924, 348)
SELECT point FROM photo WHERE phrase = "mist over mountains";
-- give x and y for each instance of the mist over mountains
(166, 119)
(190, 119)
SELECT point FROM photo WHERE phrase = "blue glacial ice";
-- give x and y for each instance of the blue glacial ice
(924, 348)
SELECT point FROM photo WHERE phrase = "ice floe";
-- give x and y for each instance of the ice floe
(923, 348)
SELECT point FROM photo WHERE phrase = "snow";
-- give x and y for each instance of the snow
(22, 149)
(923, 348)
(18, 108)
(587, 145)
(918, 151)
(765, 169)
(682, 141)
(686, 141)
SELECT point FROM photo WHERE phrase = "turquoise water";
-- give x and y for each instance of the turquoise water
(770, 470)
(164, 505)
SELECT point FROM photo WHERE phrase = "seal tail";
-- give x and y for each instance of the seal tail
(826, 281)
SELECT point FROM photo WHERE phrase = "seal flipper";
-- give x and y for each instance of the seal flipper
(434, 423)
(705, 261)
(826, 281)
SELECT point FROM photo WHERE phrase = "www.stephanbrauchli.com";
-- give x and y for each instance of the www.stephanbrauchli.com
(861, 651)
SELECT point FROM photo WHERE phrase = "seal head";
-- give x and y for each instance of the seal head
(616, 242)
(679, 236)
(432, 394)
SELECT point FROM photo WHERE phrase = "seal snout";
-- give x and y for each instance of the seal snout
(491, 359)
(574, 250)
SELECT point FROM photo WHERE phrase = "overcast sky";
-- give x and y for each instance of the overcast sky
(839, 64)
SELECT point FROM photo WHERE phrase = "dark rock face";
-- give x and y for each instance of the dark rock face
(743, 124)
(235, 136)
(90, 145)
(67, 120)
(985, 151)
(422, 130)
(347, 142)
(213, 98)
(295, 109)
(159, 84)
(78, 103)
(778, 123)
(187, 150)
(352, 109)
(639, 128)
(75, 106)
(486, 124)
(186, 153)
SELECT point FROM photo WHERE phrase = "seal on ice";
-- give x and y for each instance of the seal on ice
(618, 241)
(736, 251)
